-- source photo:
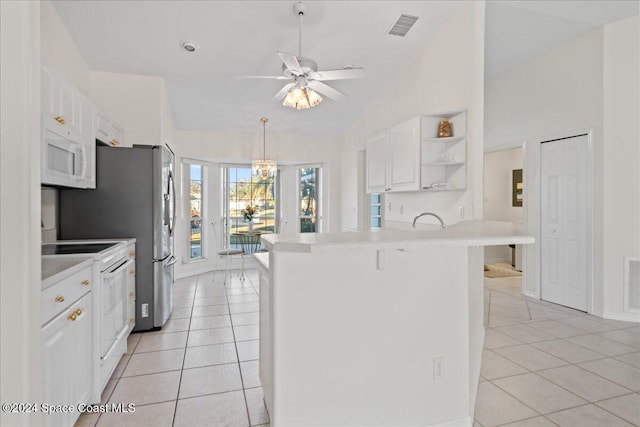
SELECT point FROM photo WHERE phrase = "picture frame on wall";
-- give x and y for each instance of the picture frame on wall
(517, 187)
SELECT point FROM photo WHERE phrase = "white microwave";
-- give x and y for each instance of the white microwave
(64, 156)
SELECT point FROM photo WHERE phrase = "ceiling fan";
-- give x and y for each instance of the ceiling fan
(303, 92)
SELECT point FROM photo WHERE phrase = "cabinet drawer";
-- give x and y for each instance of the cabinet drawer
(64, 293)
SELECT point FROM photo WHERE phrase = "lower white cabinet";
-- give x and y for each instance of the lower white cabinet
(67, 360)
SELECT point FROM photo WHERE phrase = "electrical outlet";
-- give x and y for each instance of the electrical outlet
(461, 211)
(438, 368)
(145, 310)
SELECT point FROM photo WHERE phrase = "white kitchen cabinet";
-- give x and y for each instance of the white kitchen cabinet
(67, 349)
(107, 131)
(410, 156)
(58, 98)
(67, 121)
(393, 159)
(376, 158)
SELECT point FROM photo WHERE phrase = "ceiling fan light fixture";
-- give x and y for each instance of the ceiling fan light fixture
(302, 98)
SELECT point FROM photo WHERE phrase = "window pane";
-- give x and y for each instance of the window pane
(195, 210)
(307, 225)
(376, 210)
(251, 204)
(196, 238)
(308, 198)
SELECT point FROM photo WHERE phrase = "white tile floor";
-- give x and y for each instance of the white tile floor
(547, 365)
(543, 364)
(201, 369)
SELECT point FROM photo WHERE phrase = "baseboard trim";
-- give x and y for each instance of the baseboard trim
(460, 422)
(624, 316)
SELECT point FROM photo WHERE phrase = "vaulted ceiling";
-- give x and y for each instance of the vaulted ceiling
(242, 38)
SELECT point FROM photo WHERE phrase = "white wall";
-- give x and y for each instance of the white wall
(59, 51)
(20, 210)
(446, 75)
(136, 102)
(571, 89)
(620, 158)
(215, 148)
(498, 206)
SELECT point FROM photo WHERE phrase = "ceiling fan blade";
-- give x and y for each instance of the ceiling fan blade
(291, 62)
(344, 74)
(283, 92)
(326, 90)
(261, 77)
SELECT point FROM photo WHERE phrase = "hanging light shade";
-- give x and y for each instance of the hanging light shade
(301, 98)
(264, 168)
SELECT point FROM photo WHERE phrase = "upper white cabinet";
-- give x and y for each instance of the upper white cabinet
(411, 156)
(68, 144)
(393, 159)
(58, 98)
(108, 131)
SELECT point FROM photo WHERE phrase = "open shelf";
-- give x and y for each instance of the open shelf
(448, 139)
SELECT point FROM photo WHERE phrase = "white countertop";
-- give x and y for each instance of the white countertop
(262, 258)
(55, 269)
(465, 233)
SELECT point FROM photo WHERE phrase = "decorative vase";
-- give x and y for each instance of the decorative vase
(445, 129)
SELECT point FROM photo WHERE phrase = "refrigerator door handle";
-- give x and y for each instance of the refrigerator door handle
(172, 209)
(171, 261)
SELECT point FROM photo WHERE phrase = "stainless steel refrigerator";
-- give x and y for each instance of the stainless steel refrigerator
(134, 197)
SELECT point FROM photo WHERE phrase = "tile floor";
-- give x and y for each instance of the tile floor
(543, 364)
(547, 365)
(201, 369)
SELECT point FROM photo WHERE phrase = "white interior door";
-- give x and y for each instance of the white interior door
(564, 204)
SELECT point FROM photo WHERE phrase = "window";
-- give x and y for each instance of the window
(376, 211)
(195, 210)
(309, 199)
(244, 190)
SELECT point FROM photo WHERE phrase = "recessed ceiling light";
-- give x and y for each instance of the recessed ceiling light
(189, 46)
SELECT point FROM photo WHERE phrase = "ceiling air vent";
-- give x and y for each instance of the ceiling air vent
(403, 25)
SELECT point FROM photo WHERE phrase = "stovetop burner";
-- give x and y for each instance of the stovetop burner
(75, 248)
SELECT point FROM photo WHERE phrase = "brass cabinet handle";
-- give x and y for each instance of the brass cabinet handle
(131, 294)
(114, 142)
(132, 320)
(132, 254)
(85, 282)
(60, 119)
(72, 316)
(60, 299)
(132, 272)
(78, 312)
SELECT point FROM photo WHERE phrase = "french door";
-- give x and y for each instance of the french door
(565, 210)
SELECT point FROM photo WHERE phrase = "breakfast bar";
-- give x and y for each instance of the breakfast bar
(375, 327)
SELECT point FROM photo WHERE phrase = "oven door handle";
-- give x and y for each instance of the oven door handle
(119, 269)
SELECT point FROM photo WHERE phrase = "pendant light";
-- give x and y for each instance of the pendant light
(264, 168)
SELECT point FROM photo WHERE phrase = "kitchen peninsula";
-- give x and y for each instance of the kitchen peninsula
(375, 327)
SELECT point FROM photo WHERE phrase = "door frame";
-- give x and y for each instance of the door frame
(532, 254)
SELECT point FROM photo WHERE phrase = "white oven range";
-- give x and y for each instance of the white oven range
(111, 268)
